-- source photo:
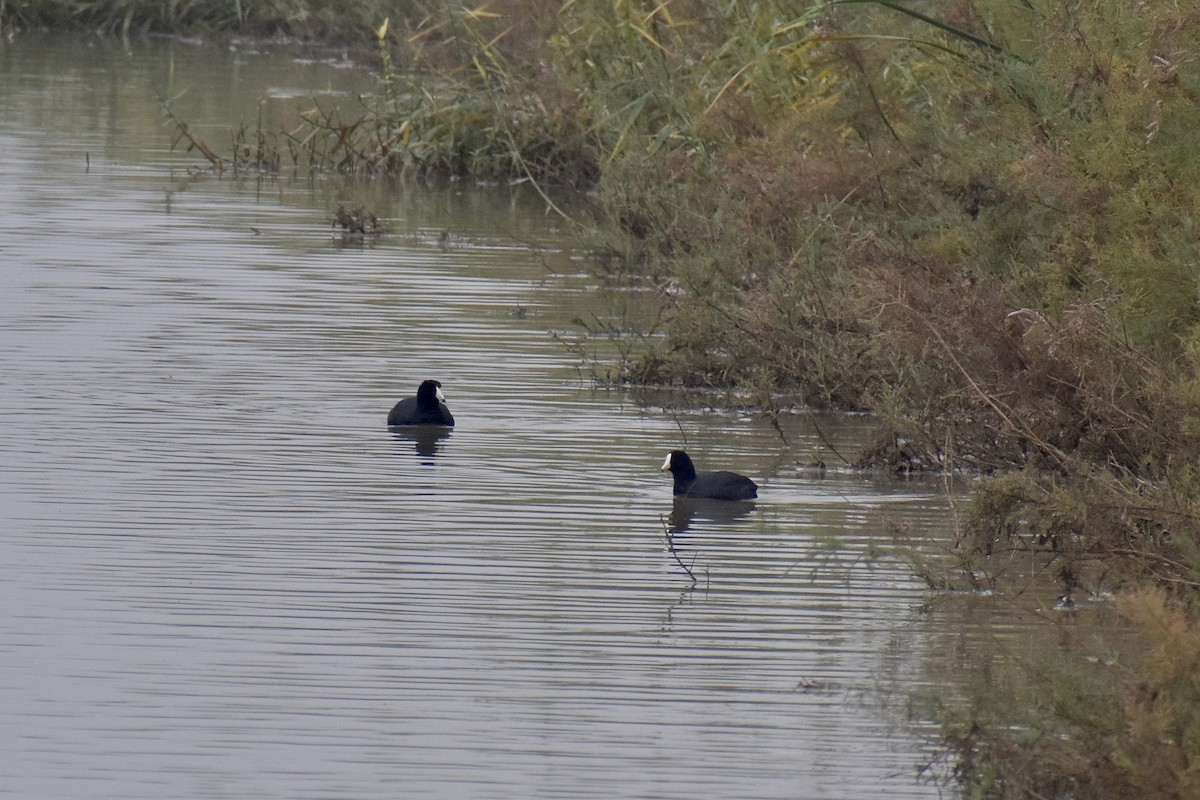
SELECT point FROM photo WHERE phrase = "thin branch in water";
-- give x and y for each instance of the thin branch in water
(678, 424)
(825, 441)
(183, 134)
(670, 538)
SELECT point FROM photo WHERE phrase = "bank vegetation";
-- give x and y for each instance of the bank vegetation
(978, 219)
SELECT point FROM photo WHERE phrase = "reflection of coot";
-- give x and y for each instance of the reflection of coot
(685, 509)
(424, 437)
(427, 408)
(711, 485)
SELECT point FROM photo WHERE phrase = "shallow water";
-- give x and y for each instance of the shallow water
(225, 577)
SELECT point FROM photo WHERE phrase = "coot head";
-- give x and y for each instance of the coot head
(429, 394)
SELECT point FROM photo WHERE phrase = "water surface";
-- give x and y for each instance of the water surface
(225, 577)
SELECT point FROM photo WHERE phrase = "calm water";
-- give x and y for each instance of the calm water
(224, 577)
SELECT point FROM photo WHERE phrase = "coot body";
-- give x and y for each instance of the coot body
(427, 408)
(710, 485)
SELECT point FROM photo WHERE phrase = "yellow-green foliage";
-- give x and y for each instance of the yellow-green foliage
(673, 76)
(1111, 715)
(1162, 704)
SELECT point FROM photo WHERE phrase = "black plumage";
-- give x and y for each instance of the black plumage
(711, 485)
(427, 408)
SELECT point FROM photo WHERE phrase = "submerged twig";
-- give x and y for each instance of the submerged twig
(670, 538)
(183, 134)
(678, 424)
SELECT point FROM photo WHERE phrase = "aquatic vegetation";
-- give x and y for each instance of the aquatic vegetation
(356, 221)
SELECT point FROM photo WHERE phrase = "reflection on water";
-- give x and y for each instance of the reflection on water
(720, 512)
(424, 440)
(224, 577)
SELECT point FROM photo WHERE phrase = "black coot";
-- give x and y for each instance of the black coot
(712, 485)
(427, 408)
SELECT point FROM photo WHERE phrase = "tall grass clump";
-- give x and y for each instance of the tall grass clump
(607, 85)
(562, 95)
(456, 95)
(491, 114)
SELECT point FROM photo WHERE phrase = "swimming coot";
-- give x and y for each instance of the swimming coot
(427, 408)
(712, 485)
